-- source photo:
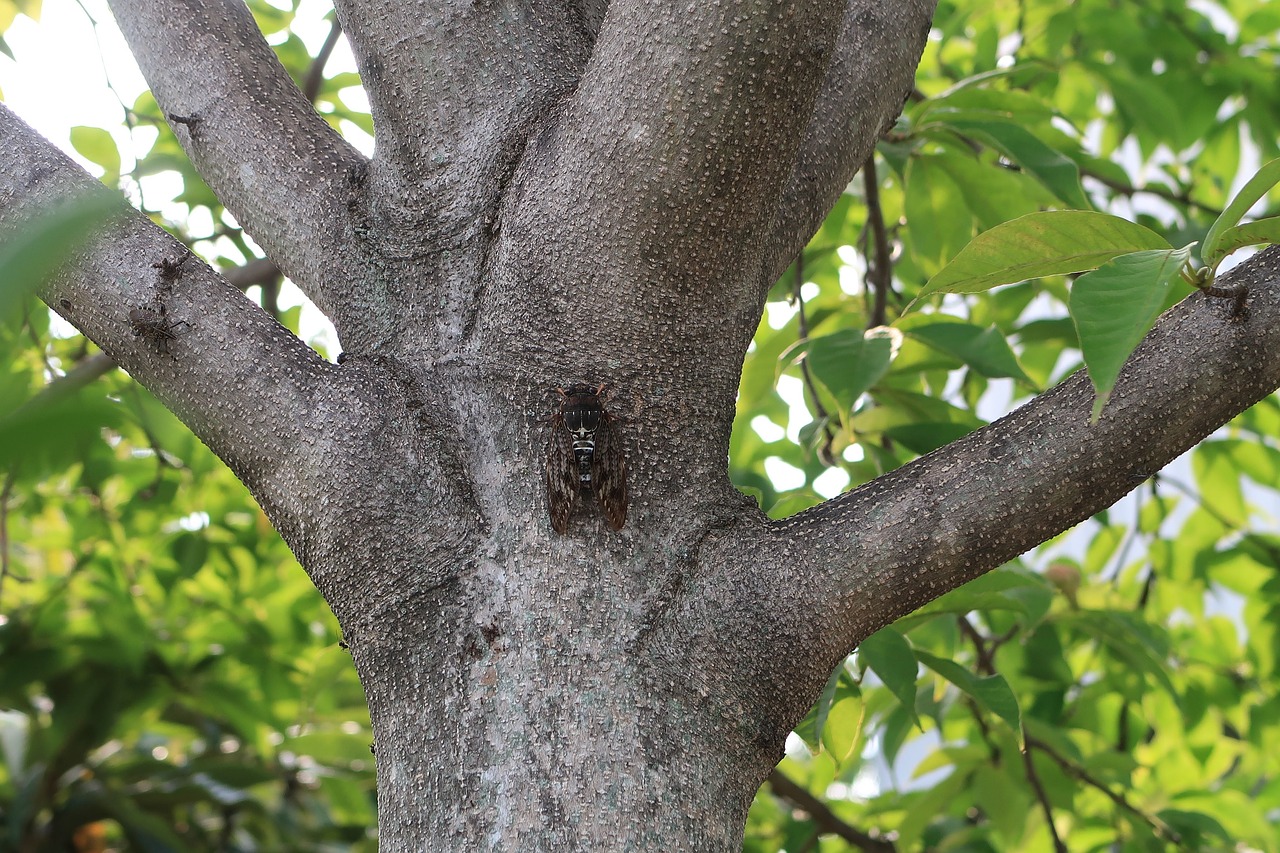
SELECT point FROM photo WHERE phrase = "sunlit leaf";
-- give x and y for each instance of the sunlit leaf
(1041, 244)
(97, 146)
(1214, 248)
(889, 655)
(990, 692)
(1115, 306)
(1249, 234)
(985, 350)
(1053, 168)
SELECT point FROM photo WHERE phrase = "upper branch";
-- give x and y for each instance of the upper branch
(667, 160)
(246, 386)
(285, 175)
(682, 132)
(453, 93)
(868, 80)
(814, 585)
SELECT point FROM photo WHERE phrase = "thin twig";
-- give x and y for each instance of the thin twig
(1130, 536)
(819, 411)
(985, 664)
(1272, 552)
(49, 369)
(1161, 829)
(1165, 193)
(823, 817)
(4, 528)
(879, 271)
(162, 460)
(85, 372)
(1041, 794)
(315, 74)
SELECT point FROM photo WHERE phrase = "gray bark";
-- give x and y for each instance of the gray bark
(564, 193)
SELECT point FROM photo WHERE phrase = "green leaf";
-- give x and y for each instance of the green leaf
(1114, 307)
(97, 146)
(1055, 170)
(1217, 472)
(1212, 252)
(1196, 830)
(1007, 588)
(190, 550)
(993, 194)
(889, 655)
(810, 728)
(938, 220)
(928, 437)
(842, 735)
(848, 363)
(992, 692)
(985, 350)
(997, 104)
(1249, 234)
(1129, 640)
(1040, 244)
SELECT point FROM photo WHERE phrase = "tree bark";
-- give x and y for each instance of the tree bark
(562, 193)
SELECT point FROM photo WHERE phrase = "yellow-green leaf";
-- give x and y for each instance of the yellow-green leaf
(1040, 244)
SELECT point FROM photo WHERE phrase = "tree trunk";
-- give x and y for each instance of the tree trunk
(568, 194)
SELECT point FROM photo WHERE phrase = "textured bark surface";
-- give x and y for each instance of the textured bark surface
(573, 192)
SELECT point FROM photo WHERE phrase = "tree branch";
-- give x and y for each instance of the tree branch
(285, 175)
(315, 74)
(1161, 829)
(681, 135)
(301, 433)
(817, 583)
(243, 384)
(453, 94)
(260, 271)
(879, 42)
(1041, 795)
(826, 819)
(879, 276)
(668, 159)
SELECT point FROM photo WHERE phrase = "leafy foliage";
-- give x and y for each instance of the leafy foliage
(1115, 688)
(170, 679)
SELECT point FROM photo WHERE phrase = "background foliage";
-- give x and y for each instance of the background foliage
(170, 680)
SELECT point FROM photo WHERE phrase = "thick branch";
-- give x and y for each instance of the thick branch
(868, 79)
(819, 582)
(455, 89)
(453, 93)
(285, 175)
(667, 161)
(246, 386)
(682, 132)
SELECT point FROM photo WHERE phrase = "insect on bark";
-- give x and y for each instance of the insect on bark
(585, 455)
(152, 324)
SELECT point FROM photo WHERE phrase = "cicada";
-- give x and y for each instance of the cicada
(585, 455)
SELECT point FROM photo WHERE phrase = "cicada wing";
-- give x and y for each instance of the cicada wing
(563, 482)
(609, 472)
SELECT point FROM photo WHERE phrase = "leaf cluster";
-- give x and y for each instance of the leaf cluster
(1113, 689)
